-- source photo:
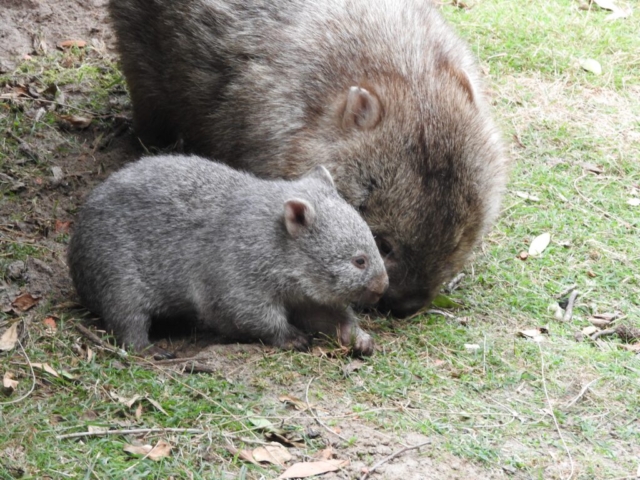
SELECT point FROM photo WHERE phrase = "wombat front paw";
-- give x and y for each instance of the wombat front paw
(363, 344)
(360, 342)
(297, 341)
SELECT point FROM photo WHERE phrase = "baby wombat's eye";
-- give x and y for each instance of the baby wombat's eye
(360, 261)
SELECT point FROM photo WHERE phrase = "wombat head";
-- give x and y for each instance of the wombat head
(423, 164)
(330, 246)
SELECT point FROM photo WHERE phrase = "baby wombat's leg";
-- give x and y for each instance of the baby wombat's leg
(130, 324)
(335, 322)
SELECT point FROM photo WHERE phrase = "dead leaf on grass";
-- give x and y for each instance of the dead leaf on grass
(535, 334)
(539, 244)
(62, 227)
(590, 330)
(635, 347)
(591, 65)
(275, 454)
(50, 324)
(634, 202)
(128, 402)
(46, 368)
(72, 43)
(9, 383)
(25, 301)
(297, 403)
(523, 255)
(352, 366)
(593, 168)
(157, 405)
(76, 121)
(527, 196)
(325, 454)
(310, 469)
(97, 429)
(245, 455)
(9, 338)
(160, 450)
(138, 413)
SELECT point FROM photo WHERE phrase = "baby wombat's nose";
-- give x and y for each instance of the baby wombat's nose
(376, 288)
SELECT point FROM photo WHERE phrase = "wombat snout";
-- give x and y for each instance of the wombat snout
(375, 289)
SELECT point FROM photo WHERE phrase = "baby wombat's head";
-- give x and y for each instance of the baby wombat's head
(330, 246)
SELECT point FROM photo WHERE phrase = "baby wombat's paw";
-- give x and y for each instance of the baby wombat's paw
(360, 342)
(296, 340)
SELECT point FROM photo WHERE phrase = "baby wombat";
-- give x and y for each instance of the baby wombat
(176, 236)
(381, 92)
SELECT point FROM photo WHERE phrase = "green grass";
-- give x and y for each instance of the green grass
(487, 407)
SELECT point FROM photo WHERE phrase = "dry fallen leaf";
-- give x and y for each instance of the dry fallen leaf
(539, 244)
(47, 368)
(128, 402)
(25, 301)
(591, 65)
(50, 323)
(295, 401)
(9, 338)
(62, 227)
(590, 330)
(138, 413)
(325, 454)
(275, 454)
(76, 121)
(245, 455)
(157, 405)
(9, 383)
(631, 348)
(593, 168)
(527, 196)
(97, 429)
(634, 202)
(309, 469)
(535, 334)
(72, 43)
(523, 255)
(161, 450)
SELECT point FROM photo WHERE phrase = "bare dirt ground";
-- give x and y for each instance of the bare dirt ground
(56, 168)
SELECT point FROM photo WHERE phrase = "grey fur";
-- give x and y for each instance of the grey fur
(176, 236)
(381, 92)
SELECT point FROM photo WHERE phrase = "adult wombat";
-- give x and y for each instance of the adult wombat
(382, 92)
(176, 236)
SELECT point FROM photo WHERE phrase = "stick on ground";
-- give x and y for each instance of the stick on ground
(391, 457)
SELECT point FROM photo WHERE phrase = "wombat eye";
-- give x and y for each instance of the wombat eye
(384, 246)
(360, 262)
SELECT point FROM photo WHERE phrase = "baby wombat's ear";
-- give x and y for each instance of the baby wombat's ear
(299, 215)
(321, 173)
(362, 109)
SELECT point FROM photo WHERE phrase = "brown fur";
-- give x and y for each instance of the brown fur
(264, 85)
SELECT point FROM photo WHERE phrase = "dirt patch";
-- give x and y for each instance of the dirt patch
(31, 26)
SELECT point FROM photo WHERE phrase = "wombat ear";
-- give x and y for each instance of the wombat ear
(321, 173)
(362, 109)
(298, 216)
(460, 76)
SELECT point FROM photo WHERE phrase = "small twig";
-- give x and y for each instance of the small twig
(88, 334)
(581, 394)
(391, 457)
(553, 415)
(604, 333)
(33, 380)
(453, 284)
(568, 313)
(567, 291)
(171, 361)
(130, 431)
(315, 416)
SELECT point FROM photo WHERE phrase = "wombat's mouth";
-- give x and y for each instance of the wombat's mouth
(403, 307)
